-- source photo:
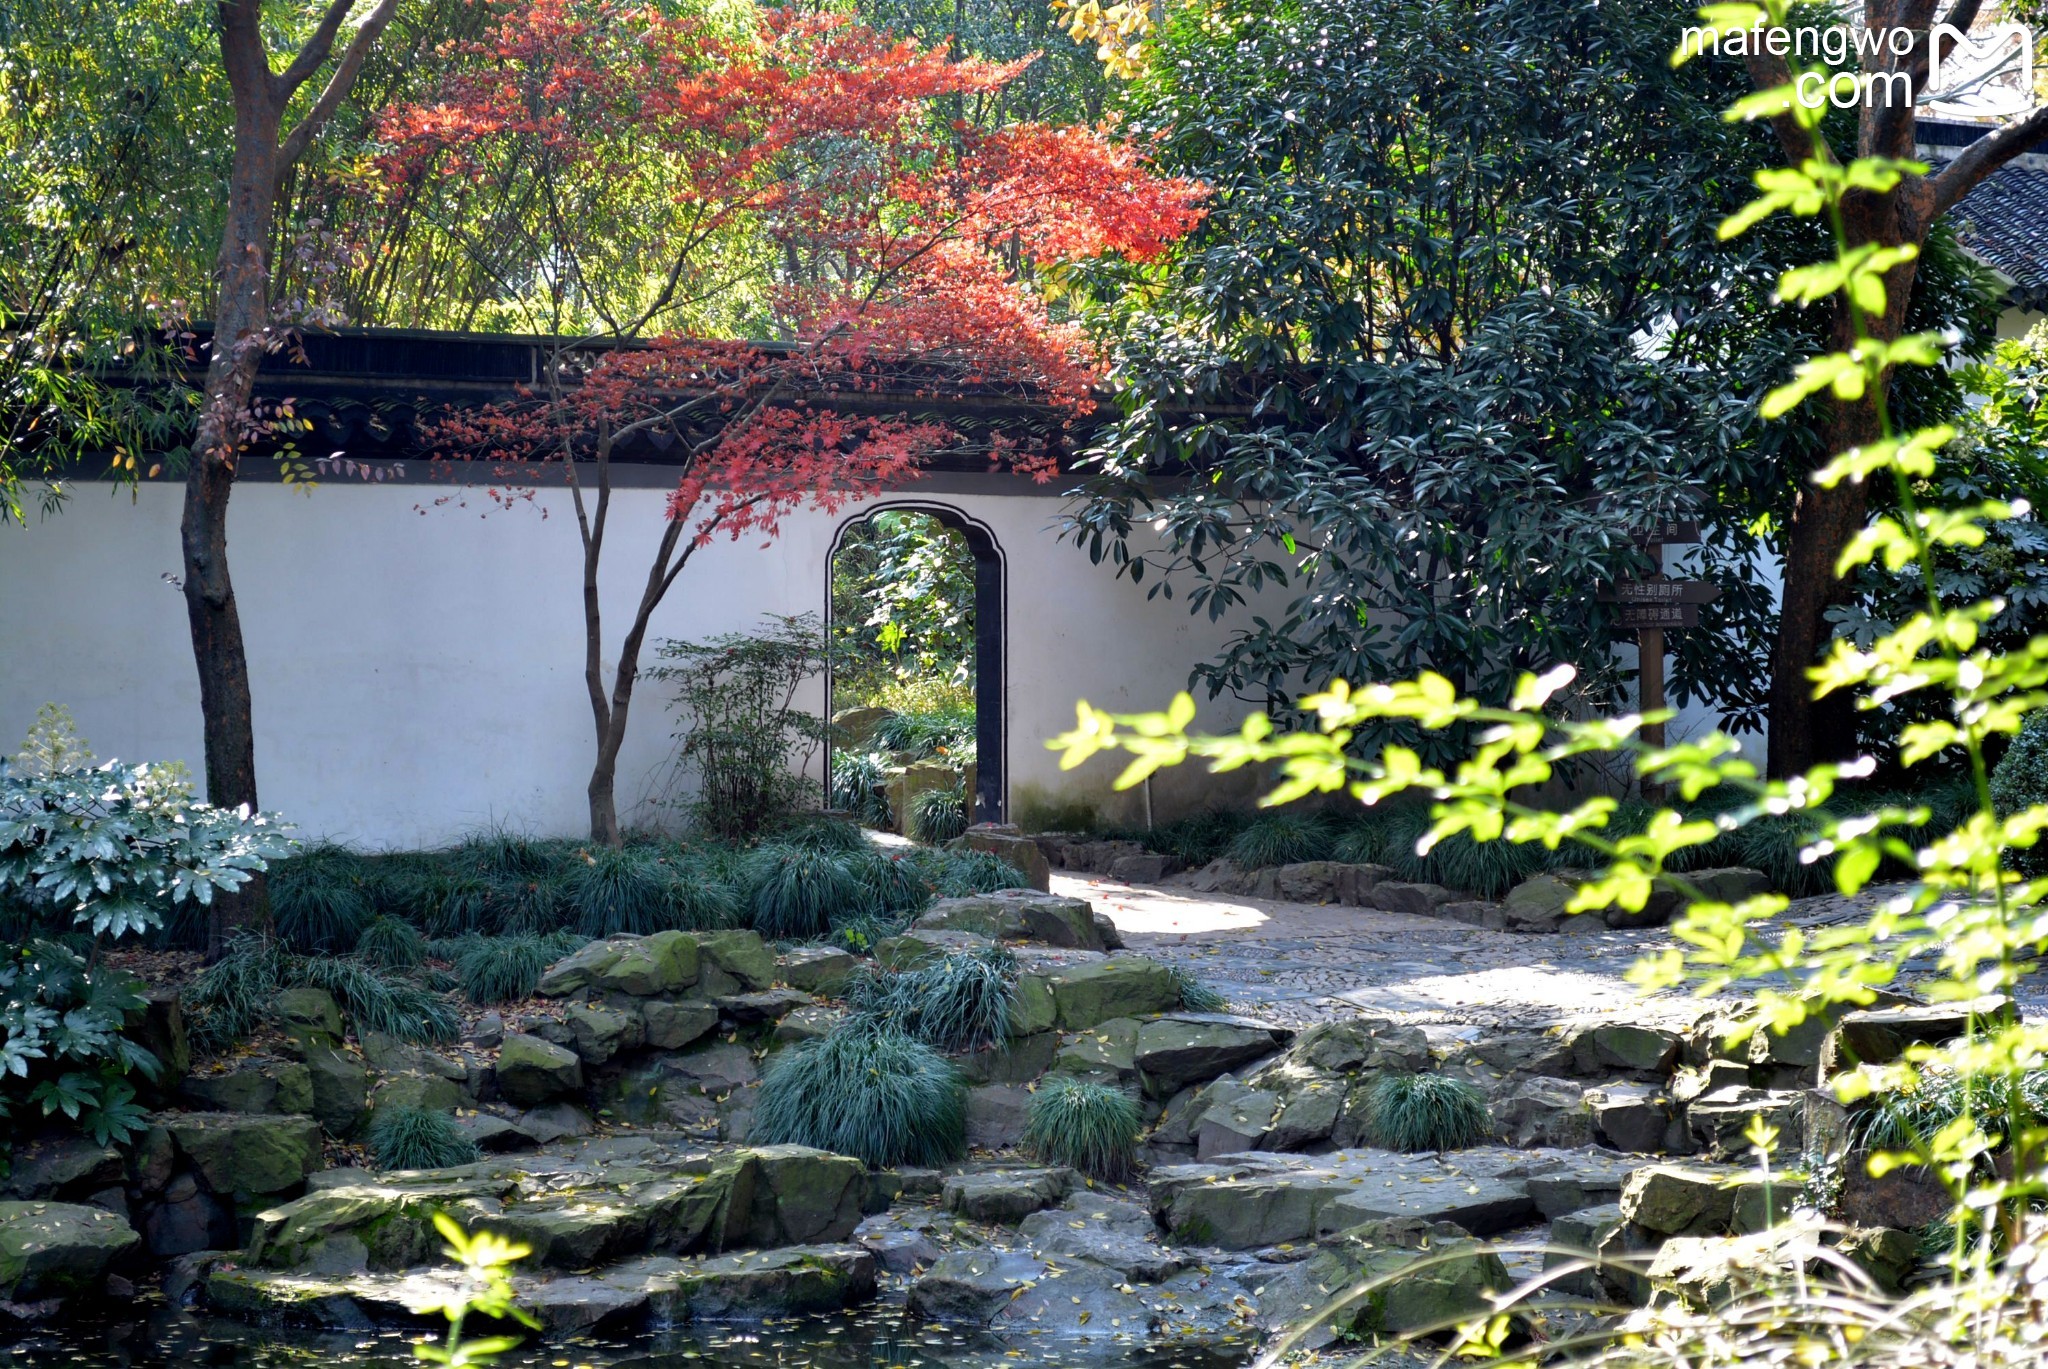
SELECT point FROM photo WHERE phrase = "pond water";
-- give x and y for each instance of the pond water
(879, 1339)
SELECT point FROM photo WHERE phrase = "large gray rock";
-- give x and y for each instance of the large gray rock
(575, 972)
(1700, 1200)
(1250, 1201)
(1878, 1036)
(794, 1195)
(1017, 915)
(1411, 1289)
(340, 1087)
(815, 969)
(1112, 1232)
(997, 1115)
(601, 1033)
(58, 1163)
(1604, 1049)
(1190, 1048)
(1106, 1052)
(1720, 1120)
(1232, 1118)
(1544, 1112)
(50, 1250)
(1639, 1118)
(532, 1071)
(243, 1156)
(664, 963)
(258, 1086)
(741, 957)
(367, 1225)
(670, 1026)
(966, 1287)
(1538, 904)
(1419, 900)
(794, 1281)
(1096, 991)
(1005, 841)
(1008, 1195)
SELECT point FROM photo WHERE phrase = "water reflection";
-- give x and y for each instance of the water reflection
(880, 1339)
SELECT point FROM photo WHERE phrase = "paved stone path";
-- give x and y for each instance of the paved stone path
(1299, 963)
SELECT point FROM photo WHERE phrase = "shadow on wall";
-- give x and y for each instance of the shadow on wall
(1090, 799)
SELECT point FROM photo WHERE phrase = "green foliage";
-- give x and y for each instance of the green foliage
(743, 736)
(1486, 868)
(1090, 1127)
(504, 969)
(956, 874)
(1361, 843)
(860, 786)
(902, 605)
(392, 944)
(938, 815)
(627, 890)
(2020, 782)
(485, 1287)
(498, 854)
(113, 849)
(826, 834)
(1777, 845)
(956, 1002)
(419, 1138)
(891, 885)
(1195, 993)
(946, 734)
(868, 1090)
(1425, 1112)
(232, 995)
(796, 891)
(1281, 838)
(379, 1002)
(319, 900)
(61, 1048)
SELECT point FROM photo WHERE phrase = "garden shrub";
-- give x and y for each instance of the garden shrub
(2020, 781)
(938, 815)
(1087, 1126)
(796, 891)
(1425, 1112)
(99, 854)
(319, 901)
(392, 943)
(743, 735)
(860, 786)
(868, 1090)
(419, 1138)
(1486, 868)
(957, 874)
(825, 834)
(947, 732)
(1361, 843)
(1282, 837)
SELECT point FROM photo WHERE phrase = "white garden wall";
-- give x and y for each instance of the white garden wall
(417, 668)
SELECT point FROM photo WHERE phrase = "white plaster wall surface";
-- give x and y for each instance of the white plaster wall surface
(417, 674)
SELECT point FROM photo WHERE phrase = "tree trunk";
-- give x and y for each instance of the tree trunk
(241, 314)
(1805, 730)
(611, 716)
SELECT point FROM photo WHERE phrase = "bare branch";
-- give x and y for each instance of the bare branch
(1983, 157)
(339, 84)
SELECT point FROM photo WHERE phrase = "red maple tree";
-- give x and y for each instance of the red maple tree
(791, 179)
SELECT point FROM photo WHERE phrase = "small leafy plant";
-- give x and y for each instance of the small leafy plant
(1087, 1126)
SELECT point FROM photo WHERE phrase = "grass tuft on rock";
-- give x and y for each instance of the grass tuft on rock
(797, 891)
(380, 1002)
(503, 969)
(1195, 993)
(938, 815)
(392, 943)
(1280, 838)
(866, 1090)
(957, 1002)
(1415, 1112)
(419, 1138)
(1087, 1126)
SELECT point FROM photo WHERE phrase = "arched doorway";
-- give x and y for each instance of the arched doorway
(980, 648)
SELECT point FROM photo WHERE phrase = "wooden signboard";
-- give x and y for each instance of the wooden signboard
(1640, 617)
(1669, 531)
(1661, 592)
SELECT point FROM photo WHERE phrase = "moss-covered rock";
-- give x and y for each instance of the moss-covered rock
(1174, 1052)
(247, 1156)
(1095, 991)
(746, 1287)
(367, 1225)
(742, 956)
(257, 1086)
(1018, 915)
(666, 962)
(531, 1071)
(341, 1089)
(58, 1249)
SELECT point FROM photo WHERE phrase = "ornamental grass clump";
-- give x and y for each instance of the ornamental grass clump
(938, 815)
(1425, 1112)
(866, 1090)
(392, 943)
(957, 1002)
(1280, 838)
(504, 969)
(419, 1138)
(319, 900)
(610, 891)
(1196, 995)
(1087, 1126)
(797, 890)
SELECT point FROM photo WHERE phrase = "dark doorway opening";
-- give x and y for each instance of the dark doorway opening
(915, 614)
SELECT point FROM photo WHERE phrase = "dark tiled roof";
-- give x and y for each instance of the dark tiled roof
(2004, 223)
